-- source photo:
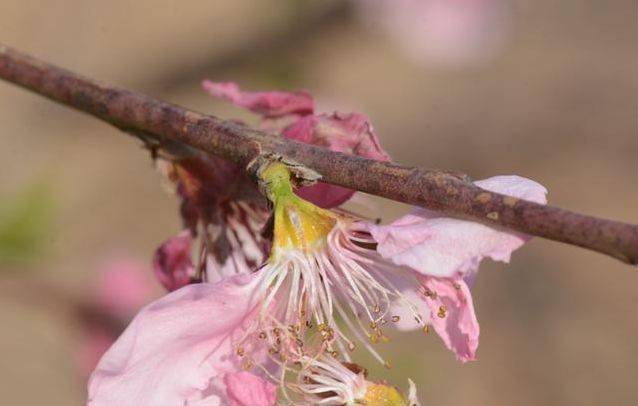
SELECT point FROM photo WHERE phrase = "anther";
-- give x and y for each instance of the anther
(442, 311)
(396, 318)
(430, 293)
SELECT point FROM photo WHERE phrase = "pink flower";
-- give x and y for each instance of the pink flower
(415, 278)
(179, 350)
(347, 133)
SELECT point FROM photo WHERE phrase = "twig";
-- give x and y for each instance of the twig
(447, 192)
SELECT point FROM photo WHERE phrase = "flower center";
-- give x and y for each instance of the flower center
(298, 224)
(318, 272)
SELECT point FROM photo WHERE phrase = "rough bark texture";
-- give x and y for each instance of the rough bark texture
(447, 192)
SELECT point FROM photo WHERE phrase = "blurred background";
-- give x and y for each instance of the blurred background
(543, 89)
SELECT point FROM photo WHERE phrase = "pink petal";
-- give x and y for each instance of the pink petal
(246, 389)
(172, 262)
(176, 346)
(452, 314)
(268, 104)
(347, 133)
(442, 246)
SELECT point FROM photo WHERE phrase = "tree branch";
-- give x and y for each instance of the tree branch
(447, 192)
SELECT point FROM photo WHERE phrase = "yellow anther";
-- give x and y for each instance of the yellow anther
(247, 364)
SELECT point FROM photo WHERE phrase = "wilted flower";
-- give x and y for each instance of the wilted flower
(221, 206)
(295, 119)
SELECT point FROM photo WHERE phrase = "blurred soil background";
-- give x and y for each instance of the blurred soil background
(543, 89)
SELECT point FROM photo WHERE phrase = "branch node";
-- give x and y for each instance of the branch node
(300, 174)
